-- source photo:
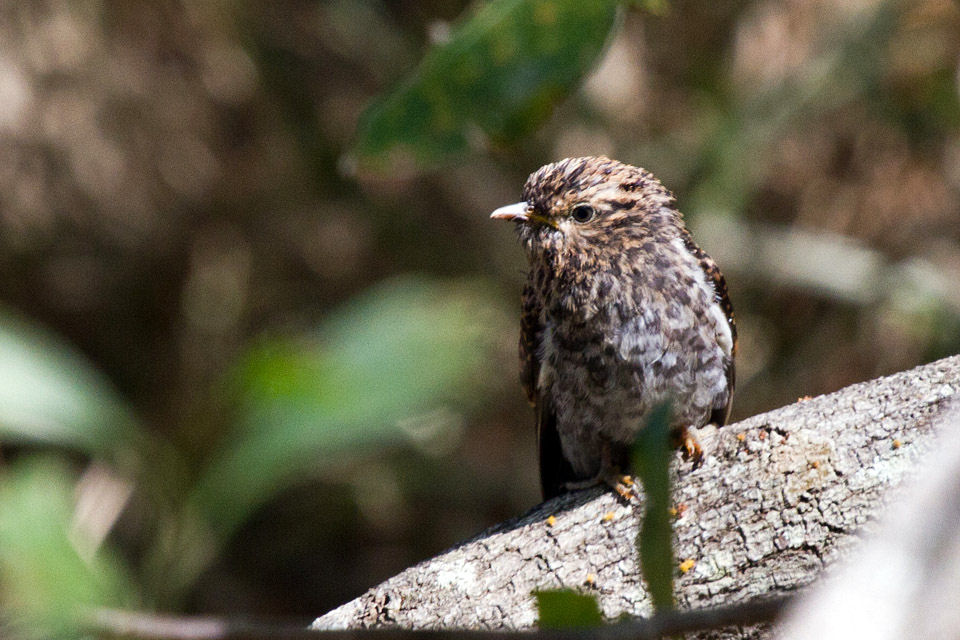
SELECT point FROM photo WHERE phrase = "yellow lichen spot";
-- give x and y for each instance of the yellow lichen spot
(814, 464)
(741, 436)
(804, 398)
(673, 512)
(591, 580)
(896, 443)
(551, 520)
(608, 516)
(687, 564)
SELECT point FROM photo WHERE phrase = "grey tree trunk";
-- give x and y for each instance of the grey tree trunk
(778, 497)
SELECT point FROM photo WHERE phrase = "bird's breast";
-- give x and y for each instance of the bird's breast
(619, 343)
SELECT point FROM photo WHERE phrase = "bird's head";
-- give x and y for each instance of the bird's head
(583, 205)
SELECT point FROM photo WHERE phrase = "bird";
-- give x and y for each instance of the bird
(621, 311)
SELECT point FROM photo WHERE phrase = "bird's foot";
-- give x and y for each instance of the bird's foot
(624, 485)
(691, 447)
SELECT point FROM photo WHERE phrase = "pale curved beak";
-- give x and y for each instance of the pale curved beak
(518, 211)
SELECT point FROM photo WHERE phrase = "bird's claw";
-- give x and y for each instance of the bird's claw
(692, 450)
(623, 484)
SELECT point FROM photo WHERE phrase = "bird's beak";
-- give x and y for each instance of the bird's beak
(518, 212)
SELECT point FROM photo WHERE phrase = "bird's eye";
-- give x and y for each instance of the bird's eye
(582, 213)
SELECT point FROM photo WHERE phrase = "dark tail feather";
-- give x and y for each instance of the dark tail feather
(555, 471)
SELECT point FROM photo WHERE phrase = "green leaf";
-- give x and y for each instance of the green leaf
(655, 7)
(49, 393)
(501, 74)
(567, 609)
(45, 584)
(395, 355)
(651, 461)
(405, 349)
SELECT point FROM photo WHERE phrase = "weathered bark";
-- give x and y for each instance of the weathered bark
(904, 580)
(778, 497)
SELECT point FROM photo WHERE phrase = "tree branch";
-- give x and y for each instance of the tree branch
(778, 497)
(904, 580)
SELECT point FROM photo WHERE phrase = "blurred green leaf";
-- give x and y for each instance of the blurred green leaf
(403, 349)
(651, 461)
(501, 74)
(44, 582)
(50, 393)
(567, 609)
(655, 7)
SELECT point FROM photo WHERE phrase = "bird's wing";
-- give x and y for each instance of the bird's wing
(720, 414)
(530, 330)
(555, 471)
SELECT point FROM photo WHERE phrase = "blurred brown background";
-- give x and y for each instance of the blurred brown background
(173, 188)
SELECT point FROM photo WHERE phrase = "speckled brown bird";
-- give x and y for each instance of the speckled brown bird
(621, 311)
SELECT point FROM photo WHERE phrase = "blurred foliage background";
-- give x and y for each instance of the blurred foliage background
(258, 337)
